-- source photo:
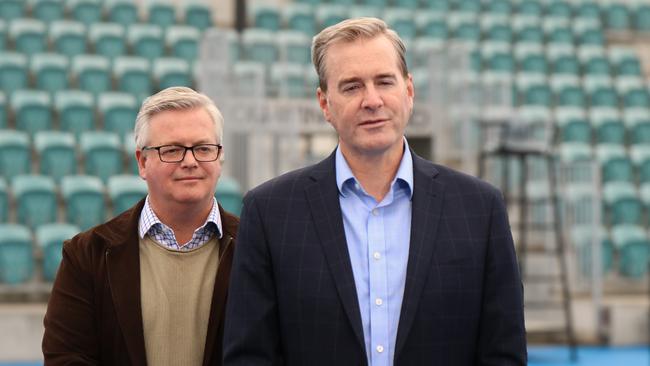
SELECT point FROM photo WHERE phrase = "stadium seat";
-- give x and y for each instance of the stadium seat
(183, 42)
(559, 35)
(330, 14)
(634, 249)
(529, 7)
(563, 60)
(4, 115)
(118, 111)
(146, 40)
(616, 165)
(102, 154)
(501, 7)
(603, 96)
(132, 75)
(3, 35)
(50, 71)
(76, 111)
(35, 197)
(108, 39)
(266, 16)
(533, 89)
(641, 17)
(294, 47)
(622, 204)
(28, 35)
(300, 17)
(84, 200)
(637, 124)
(13, 71)
(125, 191)
(625, 61)
(170, 71)
(47, 10)
(288, 80)
(16, 260)
(530, 32)
(161, 13)
(431, 25)
(572, 124)
(198, 15)
(378, 4)
(617, 17)
(571, 95)
(57, 155)
(469, 6)
(129, 151)
(229, 195)
(12, 9)
(32, 110)
(608, 125)
(50, 238)
(92, 73)
(439, 6)
(496, 56)
(464, 27)
(582, 238)
(85, 11)
(260, 46)
(496, 28)
(401, 20)
(122, 12)
(531, 58)
(68, 37)
(572, 152)
(15, 153)
(4, 201)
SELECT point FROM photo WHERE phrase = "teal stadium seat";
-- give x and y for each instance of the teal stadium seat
(616, 165)
(28, 35)
(183, 41)
(562, 59)
(68, 37)
(294, 47)
(300, 17)
(308, 2)
(266, 16)
(13, 71)
(260, 46)
(12, 9)
(641, 17)
(107, 39)
(122, 12)
(330, 14)
(342, 2)
(588, 9)
(102, 154)
(636, 98)
(575, 152)
(118, 111)
(603, 96)
(35, 197)
(530, 58)
(4, 201)
(161, 13)
(571, 95)
(558, 32)
(129, 151)
(76, 111)
(622, 204)
(229, 195)
(608, 125)
(198, 15)
(499, 7)
(3, 35)
(15, 153)
(50, 71)
(528, 31)
(530, 7)
(85, 11)
(440, 6)
(378, 4)
(401, 20)
(288, 80)
(50, 238)
(617, 17)
(469, 6)
(16, 259)
(4, 115)
(56, 152)
(92, 73)
(84, 200)
(171, 71)
(132, 75)
(640, 155)
(496, 56)
(496, 27)
(533, 89)
(637, 124)
(146, 40)
(559, 9)
(633, 247)
(47, 10)
(573, 125)
(431, 25)
(464, 27)
(125, 191)
(32, 110)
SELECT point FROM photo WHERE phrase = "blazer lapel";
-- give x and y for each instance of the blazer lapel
(322, 195)
(426, 209)
(123, 268)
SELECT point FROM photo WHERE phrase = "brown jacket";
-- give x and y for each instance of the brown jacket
(94, 315)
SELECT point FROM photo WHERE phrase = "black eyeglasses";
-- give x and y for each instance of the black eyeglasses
(176, 153)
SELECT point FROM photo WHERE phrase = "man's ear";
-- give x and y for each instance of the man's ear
(141, 159)
(322, 102)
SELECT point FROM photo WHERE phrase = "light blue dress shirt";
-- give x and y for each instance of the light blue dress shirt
(378, 237)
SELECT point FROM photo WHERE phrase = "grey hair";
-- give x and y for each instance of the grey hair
(350, 30)
(173, 99)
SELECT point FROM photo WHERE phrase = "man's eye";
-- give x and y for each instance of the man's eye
(203, 149)
(171, 151)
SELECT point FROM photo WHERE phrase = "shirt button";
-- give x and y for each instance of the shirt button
(376, 255)
(375, 212)
(378, 301)
(357, 186)
(380, 348)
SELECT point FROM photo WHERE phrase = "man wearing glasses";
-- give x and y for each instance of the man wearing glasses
(149, 286)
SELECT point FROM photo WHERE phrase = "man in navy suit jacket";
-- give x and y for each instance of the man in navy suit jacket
(373, 256)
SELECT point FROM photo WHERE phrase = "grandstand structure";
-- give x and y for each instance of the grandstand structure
(571, 76)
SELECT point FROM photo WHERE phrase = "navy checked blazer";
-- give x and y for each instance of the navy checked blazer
(292, 298)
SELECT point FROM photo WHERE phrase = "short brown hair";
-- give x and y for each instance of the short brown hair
(350, 30)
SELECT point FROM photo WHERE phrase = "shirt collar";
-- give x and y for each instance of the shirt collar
(404, 172)
(148, 219)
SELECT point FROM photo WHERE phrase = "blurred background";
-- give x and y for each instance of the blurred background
(547, 99)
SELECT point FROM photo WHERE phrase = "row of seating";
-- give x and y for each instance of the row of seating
(125, 12)
(408, 16)
(71, 38)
